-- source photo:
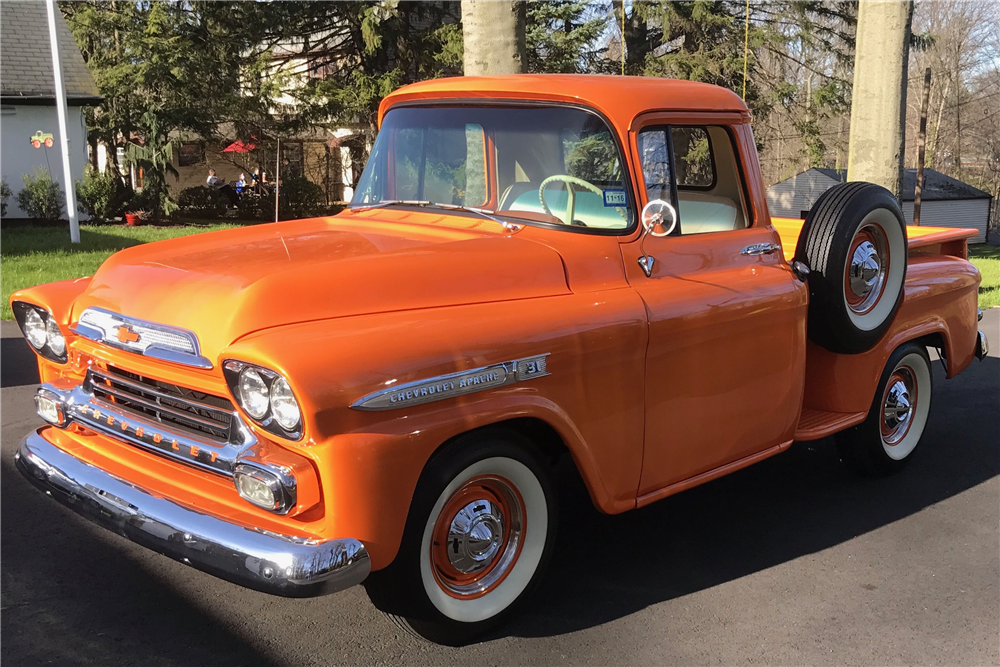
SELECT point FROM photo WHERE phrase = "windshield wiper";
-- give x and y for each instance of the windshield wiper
(509, 226)
(390, 202)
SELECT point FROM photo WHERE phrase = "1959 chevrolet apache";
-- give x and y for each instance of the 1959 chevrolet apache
(532, 267)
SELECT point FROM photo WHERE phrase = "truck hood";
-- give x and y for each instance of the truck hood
(225, 285)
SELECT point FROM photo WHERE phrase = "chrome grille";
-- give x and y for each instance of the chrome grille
(181, 408)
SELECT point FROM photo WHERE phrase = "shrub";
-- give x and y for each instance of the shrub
(4, 196)
(299, 198)
(41, 197)
(153, 201)
(102, 196)
(202, 202)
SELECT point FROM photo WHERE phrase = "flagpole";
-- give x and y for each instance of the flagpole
(68, 186)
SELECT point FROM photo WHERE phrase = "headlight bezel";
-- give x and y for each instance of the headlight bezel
(233, 370)
(47, 350)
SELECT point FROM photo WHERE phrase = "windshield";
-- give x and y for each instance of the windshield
(546, 165)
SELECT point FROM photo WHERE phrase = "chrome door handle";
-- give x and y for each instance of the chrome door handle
(760, 249)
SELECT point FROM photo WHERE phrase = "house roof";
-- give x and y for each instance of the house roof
(26, 58)
(937, 186)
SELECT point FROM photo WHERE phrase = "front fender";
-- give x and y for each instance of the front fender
(369, 462)
(57, 297)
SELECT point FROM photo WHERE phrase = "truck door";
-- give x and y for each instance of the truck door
(725, 363)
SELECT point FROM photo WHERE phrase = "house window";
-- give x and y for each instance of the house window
(291, 164)
(191, 153)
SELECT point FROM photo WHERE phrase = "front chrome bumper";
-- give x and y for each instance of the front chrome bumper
(262, 560)
(982, 346)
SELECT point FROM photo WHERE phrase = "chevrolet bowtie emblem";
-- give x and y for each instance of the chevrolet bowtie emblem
(127, 335)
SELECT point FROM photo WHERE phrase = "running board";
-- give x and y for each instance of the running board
(815, 424)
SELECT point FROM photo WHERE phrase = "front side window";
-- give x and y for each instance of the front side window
(550, 166)
(696, 169)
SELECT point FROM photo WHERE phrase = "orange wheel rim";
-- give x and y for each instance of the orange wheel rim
(477, 537)
(898, 402)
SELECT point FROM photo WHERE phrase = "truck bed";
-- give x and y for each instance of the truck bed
(952, 240)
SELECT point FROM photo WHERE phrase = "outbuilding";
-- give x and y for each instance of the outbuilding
(29, 125)
(945, 201)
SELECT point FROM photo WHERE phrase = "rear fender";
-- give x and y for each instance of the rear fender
(939, 300)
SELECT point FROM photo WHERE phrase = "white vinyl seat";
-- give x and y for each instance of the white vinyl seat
(701, 213)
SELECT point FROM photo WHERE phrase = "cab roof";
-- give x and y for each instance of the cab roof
(620, 98)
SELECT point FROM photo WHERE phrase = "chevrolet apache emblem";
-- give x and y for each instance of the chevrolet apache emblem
(455, 384)
(126, 334)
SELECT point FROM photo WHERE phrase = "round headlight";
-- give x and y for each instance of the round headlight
(57, 342)
(253, 393)
(34, 329)
(284, 407)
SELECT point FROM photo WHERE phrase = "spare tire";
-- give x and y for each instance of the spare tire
(854, 243)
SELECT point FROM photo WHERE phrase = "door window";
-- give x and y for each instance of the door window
(696, 169)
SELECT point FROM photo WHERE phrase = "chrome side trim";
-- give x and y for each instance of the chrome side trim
(137, 327)
(455, 384)
(269, 562)
(982, 345)
(82, 407)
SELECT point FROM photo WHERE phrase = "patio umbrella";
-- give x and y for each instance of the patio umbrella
(239, 147)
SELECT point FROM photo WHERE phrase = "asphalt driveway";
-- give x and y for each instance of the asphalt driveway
(793, 561)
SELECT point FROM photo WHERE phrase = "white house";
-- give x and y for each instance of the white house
(27, 97)
(945, 201)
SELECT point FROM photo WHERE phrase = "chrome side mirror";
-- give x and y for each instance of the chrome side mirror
(654, 214)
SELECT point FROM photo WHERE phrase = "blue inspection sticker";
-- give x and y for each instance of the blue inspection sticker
(615, 197)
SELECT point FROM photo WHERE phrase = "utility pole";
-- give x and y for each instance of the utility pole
(921, 145)
(68, 185)
(277, 179)
(878, 107)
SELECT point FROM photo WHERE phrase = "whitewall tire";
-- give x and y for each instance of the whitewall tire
(479, 533)
(887, 439)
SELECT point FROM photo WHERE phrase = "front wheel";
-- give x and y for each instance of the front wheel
(478, 535)
(886, 440)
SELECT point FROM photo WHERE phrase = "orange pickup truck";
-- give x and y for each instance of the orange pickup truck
(532, 267)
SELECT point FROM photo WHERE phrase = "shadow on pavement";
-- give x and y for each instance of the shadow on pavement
(17, 362)
(793, 504)
(93, 603)
(110, 605)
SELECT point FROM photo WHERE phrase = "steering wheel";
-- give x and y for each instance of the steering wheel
(570, 181)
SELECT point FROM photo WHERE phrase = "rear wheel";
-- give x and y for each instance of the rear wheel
(478, 535)
(854, 243)
(886, 440)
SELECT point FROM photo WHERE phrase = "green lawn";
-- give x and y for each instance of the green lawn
(35, 255)
(987, 260)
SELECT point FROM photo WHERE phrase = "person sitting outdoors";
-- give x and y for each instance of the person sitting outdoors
(216, 183)
(241, 184)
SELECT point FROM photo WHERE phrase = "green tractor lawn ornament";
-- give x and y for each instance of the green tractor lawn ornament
(39, 138)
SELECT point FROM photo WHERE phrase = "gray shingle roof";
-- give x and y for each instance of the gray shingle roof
(937, 186)
(26, 58)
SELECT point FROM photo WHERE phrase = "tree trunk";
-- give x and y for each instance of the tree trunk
(493, 35)
(878, 106)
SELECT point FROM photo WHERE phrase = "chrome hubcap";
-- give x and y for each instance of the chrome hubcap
(475, 535)
(897, 411)
(865, 268)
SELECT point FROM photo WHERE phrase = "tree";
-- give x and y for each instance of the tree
(493, 33)
(878, 106)
(563, 36)
(163, 69)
